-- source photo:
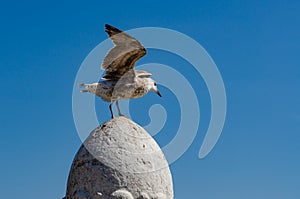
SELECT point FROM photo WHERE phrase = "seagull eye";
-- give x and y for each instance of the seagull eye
(154, 83)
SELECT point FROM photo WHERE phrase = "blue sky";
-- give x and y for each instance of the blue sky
(255, 45)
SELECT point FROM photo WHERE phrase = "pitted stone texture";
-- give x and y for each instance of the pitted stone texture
(120, 159)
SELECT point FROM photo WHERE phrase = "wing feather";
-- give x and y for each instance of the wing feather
(142, 73)
(123, 56)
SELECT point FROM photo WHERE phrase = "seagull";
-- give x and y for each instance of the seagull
(121, 80)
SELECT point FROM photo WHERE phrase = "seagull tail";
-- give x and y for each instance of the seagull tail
(81, 86)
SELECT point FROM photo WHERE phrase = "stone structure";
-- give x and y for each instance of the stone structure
(119, 159)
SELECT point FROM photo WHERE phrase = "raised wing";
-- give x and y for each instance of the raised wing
(122, 58)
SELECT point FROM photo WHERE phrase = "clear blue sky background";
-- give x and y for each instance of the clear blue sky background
(255, 44)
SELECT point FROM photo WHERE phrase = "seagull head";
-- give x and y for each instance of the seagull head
(152, 86)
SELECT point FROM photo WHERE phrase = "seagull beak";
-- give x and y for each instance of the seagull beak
(158, 93)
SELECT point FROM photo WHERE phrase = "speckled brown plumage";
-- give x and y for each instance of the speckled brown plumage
(121, 80)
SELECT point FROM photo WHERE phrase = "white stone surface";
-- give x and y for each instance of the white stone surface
(120, 159)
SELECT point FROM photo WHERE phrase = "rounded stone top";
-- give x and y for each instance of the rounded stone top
(119, 159)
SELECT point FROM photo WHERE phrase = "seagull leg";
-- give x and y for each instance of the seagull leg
(119, 112)
(111, 111)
